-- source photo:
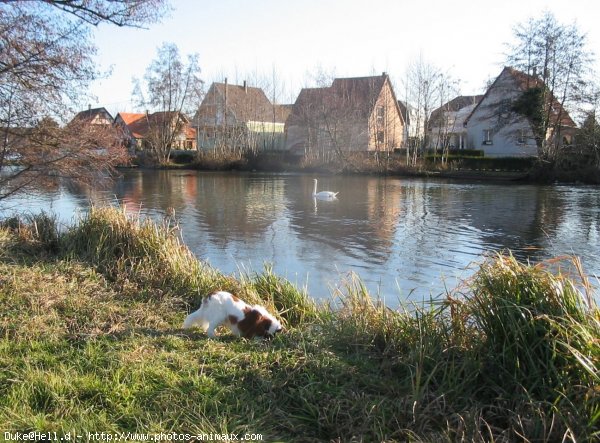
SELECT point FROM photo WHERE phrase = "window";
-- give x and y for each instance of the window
(380, 137)
(521, 139)
(452, 141)
(380, 114)
(487, 137)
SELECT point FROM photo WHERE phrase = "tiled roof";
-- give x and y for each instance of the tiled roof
(92, 113)
(454, 106)
(140, 124)
(356, 96)
(404, 110)
(245, 103)
(129, 118)
(282, 112)
(360, 93)
(308, 102)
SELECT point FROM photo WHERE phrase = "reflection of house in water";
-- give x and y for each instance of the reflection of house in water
(361, 222)
(519, 218)
(238, 207)
(159, 190)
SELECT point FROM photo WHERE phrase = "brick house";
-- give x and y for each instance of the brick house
(353, 114)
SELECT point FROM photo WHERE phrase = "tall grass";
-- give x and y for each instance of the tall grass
(90, 337)
(31, 234)
(517, 355)
(293, 304)
(124, 246)
(539, 342)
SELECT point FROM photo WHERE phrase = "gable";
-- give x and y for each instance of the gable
(94, 116)
(387, 98)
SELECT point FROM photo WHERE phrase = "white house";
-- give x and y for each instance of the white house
(446, 128)
(495, 127)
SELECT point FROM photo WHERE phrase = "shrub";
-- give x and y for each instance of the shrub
(491, 163)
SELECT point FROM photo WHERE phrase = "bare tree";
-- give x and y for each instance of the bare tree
(174, 90)
(134, 13)
(426, 87)
(442, 122)
(46, 65)
(557, 55)
(48, 152)
(344, 118)
(588, 137)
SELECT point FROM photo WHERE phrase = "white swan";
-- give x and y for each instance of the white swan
(323, 195)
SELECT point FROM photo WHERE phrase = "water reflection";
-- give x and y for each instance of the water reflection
(399, 235)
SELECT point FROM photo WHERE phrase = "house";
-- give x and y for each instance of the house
(132, 138)
(240, 117)
(410, 117)
(496, 125)
(446, 126)
(139, 128)
(96, 116)
(353, 114)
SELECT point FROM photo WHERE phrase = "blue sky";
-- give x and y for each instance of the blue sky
(291, 41)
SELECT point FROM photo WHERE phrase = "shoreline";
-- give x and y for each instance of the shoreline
(538, 174)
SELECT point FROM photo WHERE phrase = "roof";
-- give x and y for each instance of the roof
(245, 103)
(139, 124)
(360, 93)
(524, 82)
(308, 101)
(405, 110)
(456, 110)
(355, 95)
(90, 114)
(282, 112)
(129, 118)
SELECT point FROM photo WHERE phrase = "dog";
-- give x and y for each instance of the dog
(224, 308)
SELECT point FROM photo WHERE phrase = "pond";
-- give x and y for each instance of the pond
(406, 238)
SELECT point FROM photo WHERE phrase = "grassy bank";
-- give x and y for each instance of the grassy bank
(90, 341)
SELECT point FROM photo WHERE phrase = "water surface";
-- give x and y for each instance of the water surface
(406, 238)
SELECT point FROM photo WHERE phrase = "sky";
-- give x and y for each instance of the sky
(292, 41)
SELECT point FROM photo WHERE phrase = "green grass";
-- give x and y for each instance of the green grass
(90, 341)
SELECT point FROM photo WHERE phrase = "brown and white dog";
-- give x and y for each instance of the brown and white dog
(224, 308)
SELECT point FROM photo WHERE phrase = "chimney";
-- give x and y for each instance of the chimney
(89, 106)
(535, 71)
(384, 74)
(225, 91)
(245, 87)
